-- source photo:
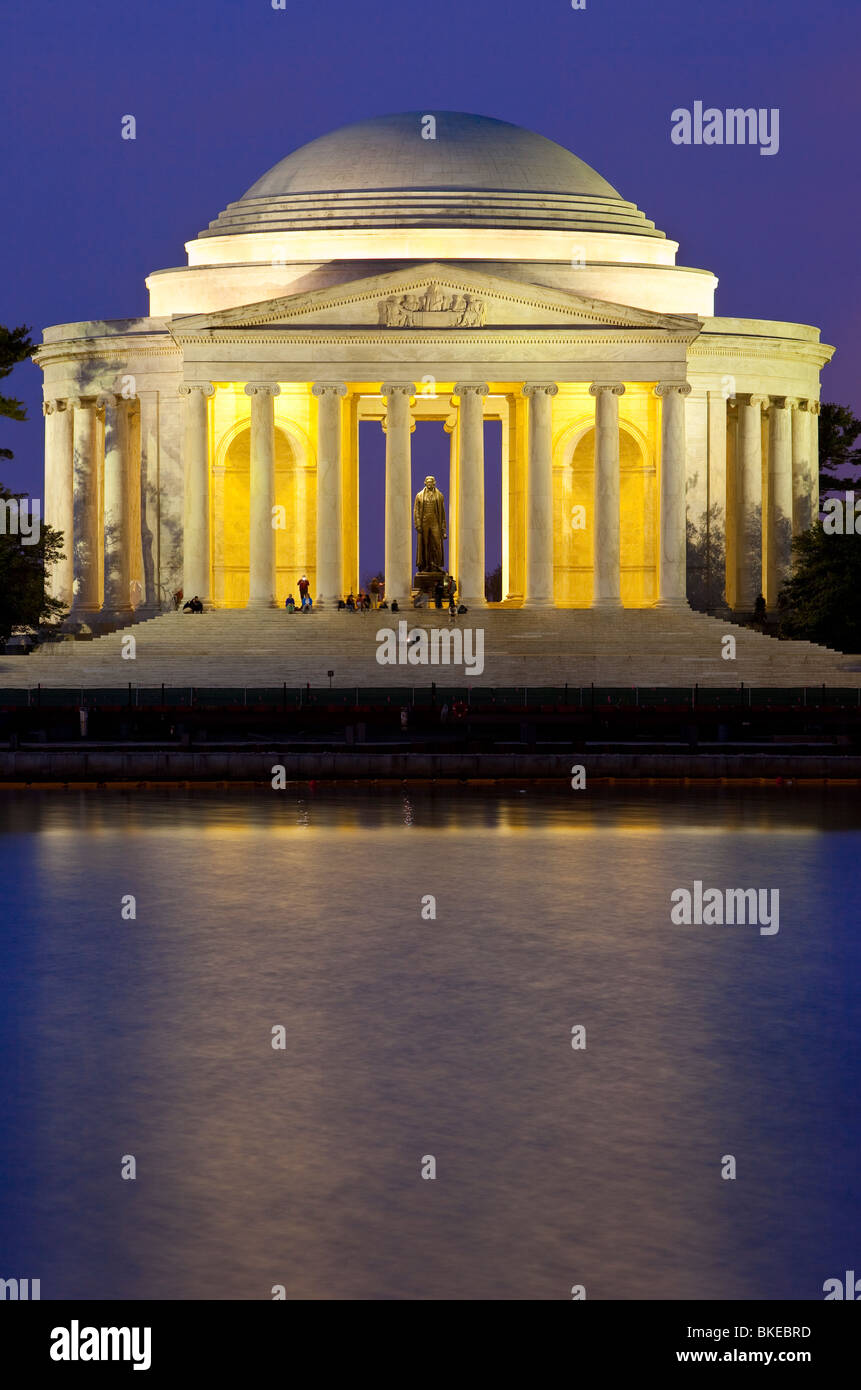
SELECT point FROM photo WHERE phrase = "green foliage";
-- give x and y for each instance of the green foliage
(23, 601)
(15, 347)
(820, 603)
(838, 450)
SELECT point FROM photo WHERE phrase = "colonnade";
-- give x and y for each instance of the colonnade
(89, 499)
(77, 486)
(792, 489)
(469, 499)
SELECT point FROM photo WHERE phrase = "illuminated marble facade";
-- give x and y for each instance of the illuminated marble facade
(460, 271)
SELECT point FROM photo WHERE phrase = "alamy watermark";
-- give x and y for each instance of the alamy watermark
(76, 1343)
(846, 1289)
(707, 125)
(23, 1289)
(438, 646)
(20, 518)
(841, 516)
(719, 907)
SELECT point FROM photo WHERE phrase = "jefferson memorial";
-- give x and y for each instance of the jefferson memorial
(415, 267)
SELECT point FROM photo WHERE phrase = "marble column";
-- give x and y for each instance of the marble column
(451, 427)
(148, 484)
(672, 566)
(801, 510)
(117, 538)
(196, 539)
(261, 532)
(470, 493)
(399, 502)
(749, 501)
(85, 526)
(805, 466)
(606, 540)
(539, 496)
(59, 493)
(330, 583)
(813, 474)
(716, 545)
(779, 520)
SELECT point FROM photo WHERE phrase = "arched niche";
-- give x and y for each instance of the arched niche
(574, 480)
(295, 518)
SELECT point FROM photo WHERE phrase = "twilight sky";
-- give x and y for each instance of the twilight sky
(223, 89)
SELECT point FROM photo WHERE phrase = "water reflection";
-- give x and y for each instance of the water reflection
(408, 1037)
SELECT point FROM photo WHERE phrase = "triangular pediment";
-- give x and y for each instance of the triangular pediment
(433, 295)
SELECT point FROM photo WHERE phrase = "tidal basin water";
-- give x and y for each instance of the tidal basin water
(408, 1037)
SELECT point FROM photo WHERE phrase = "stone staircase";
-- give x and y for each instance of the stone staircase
(234, 648)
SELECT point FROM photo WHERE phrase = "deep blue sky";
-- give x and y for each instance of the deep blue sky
(223, 90)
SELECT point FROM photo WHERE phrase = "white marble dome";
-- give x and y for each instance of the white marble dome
(377, 195)
(476, 172)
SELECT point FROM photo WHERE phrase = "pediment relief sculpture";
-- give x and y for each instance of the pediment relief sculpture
(433, 309)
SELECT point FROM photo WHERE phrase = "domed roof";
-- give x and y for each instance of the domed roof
(476, 172)
(468, 152)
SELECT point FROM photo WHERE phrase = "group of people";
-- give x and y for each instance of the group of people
(365, 600)
(306, 603)
(444, 591)
(357, 603)
(362, 602)
(444, 596)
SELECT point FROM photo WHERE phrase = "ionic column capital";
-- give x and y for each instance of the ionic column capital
(473, 388)
(82, 402)
(666, 388)
(756, 400)
(811, 406)
(328, 388)
(398, 388)
(615, 388)
(534, 388)
(106, 400)
(262, 388)
(781, 403)
(55, 404)
(206, 388)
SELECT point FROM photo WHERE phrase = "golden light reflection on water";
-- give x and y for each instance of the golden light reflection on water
(285, 813)
(408, 1036)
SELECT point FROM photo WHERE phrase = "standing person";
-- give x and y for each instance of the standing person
(374, 587)
(305, 594)
(438, 593)
(452, 608)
